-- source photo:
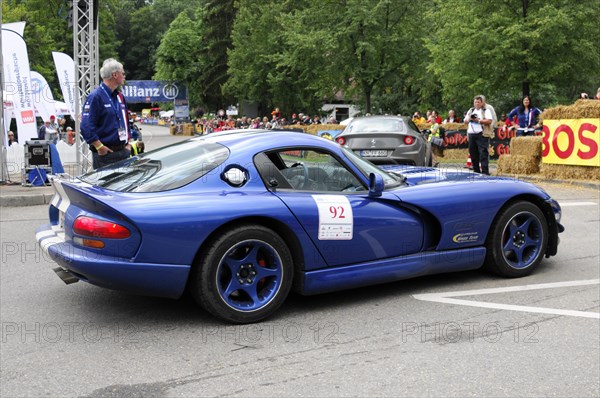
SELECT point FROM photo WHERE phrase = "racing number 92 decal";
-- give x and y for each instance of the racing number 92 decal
(336, 221)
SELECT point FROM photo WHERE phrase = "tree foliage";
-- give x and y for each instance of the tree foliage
(256, 70)
(502, 48)
(194, 51)
(390, 56)
(47, 29)
(140, 26)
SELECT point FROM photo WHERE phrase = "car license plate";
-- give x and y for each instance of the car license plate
(373, 152)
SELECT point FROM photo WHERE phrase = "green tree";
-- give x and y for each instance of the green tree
(47, 30)
(309, 52)
(177, 54)
(258, 66)
(194, 49)
(140, 26)
(215, 23)
(512, 47)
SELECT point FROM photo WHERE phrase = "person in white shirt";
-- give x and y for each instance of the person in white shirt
(479, 131)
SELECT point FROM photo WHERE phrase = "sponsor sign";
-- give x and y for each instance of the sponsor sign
(149, 91)
(499, 145)
(17, 83)
(571, 142)
(182, 109)
(17, 27)
(65, 69)
(42, 96)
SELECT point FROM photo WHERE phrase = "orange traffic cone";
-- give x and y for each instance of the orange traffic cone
(469, 164)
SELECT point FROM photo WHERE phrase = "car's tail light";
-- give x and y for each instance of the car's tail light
(409, 140)
(88, 226)
(341, 140)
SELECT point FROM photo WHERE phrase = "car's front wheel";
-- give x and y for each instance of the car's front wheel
(517, 240)
(243, 275)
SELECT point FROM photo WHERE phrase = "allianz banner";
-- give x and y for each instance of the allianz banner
(149, 91)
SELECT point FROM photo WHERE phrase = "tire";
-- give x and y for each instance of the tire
(517, 240)
(244, 275)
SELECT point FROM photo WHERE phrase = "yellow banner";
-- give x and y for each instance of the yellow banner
(572, 142)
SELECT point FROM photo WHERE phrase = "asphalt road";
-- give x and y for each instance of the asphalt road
(396, 339)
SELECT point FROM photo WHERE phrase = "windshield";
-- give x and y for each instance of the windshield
(367, 168)
(167, 168)
(377, 125)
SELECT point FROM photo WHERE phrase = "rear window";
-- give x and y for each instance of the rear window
(376, 125)
(161, 170)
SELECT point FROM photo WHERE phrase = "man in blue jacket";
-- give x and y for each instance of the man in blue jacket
(104, 117)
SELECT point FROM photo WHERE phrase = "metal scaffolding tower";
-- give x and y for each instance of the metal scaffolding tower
(85, 49)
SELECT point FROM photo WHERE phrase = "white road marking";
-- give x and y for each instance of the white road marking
(574, 204)
(447, 298)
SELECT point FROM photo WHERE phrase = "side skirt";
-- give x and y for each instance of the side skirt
(389, 270)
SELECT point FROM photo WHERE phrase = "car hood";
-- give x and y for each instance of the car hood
(417, 175)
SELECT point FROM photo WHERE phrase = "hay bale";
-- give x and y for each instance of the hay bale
(314, 128)
(188, 129)
(517, 164)
(454, 126)
(504, 165)
(581, 109)
(460, 154)
(527, 146)
(568, 172)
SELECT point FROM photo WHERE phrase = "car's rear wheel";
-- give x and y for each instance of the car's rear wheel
(517, 240)
(244, 275)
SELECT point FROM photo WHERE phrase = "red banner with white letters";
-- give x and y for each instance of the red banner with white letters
(499, 145)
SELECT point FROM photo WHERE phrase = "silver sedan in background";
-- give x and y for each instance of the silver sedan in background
(387, 140)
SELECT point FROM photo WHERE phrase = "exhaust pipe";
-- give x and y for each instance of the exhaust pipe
(65, 276)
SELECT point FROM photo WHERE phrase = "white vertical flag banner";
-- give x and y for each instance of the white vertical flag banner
(18, 83)
(43, 100)
(65, 69)
(17, 27)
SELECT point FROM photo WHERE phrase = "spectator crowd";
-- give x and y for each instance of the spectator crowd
(277, 120)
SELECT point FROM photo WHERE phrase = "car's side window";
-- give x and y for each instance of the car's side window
(309, 170)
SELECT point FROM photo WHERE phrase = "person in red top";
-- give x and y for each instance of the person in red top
(434, 118)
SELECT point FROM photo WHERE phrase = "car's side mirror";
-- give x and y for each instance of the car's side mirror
(376, 185)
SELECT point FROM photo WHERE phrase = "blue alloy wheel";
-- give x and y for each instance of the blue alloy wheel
(249, 275)
(243, 274)
(522, 240)
(517, 241)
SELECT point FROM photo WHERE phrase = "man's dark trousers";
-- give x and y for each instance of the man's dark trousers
(479, 152)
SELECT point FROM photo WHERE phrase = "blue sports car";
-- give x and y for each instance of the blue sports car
(239, 218)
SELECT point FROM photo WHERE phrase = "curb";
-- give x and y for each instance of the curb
(25, 200)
